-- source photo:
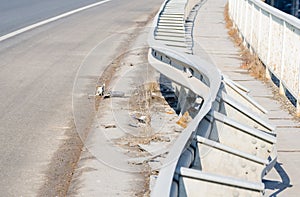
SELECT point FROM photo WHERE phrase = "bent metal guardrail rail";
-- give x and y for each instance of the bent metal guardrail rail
(228, 146)
(275, 37)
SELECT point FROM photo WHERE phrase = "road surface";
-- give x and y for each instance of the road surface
(38, 71)
(17, 14)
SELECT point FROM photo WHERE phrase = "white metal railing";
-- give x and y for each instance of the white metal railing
(275, 37)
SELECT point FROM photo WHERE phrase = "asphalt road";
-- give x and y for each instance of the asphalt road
(17, 14)
(38, 71)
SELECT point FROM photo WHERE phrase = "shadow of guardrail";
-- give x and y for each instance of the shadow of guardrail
(276, 185)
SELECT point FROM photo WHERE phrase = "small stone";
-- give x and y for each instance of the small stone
(133, 125)
(107, 126)
(178, 128)
(165, 139)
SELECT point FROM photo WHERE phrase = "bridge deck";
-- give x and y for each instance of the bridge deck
(210, 35)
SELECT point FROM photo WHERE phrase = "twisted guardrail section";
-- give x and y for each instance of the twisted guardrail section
(228, 146)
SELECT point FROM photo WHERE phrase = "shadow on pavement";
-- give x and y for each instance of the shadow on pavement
(278, 185)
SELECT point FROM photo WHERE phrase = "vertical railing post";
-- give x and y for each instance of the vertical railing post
(298, 94)
(281, 86)
(246, 23)
(259, 31)
(251, 27)
(268, 76)
(240, 11)
(236, 18)
(236, 12)
(238, 6)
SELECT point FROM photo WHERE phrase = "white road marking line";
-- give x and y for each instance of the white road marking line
(22, 30)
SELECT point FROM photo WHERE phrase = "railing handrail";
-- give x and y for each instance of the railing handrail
(276, 12)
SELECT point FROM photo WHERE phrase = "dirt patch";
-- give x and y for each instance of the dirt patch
(149, 120)
(145, 101)
(284, 101)
(63, 163)
(255, 67)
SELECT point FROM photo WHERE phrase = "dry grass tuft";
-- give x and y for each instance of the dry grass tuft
(251, 62)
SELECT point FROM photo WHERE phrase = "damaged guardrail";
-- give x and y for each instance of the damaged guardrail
(228, 146)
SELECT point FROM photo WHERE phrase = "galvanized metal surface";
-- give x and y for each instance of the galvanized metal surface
(229, 145)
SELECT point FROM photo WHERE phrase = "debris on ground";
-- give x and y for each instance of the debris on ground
(154, 148)
(110, 94)
(140, 117)
(133, 125)
(100, 90)
(178, 128)
(147, 159)
(169, 111)
(150, 119)
(108, 126)
(184, 120)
